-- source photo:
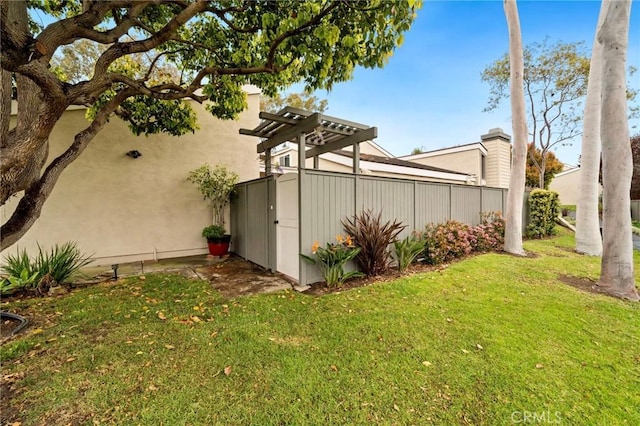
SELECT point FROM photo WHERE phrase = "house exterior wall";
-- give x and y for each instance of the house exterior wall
(498, 146)
(566, 185)
(332, 166)
(124, 209)
(464, 162)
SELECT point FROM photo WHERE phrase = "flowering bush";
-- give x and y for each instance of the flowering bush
(452, 239)
(332, 259)
(446, 241)
(489, 235)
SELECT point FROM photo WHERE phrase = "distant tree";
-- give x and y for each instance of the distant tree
(554, 166)
(304, 100)
(217, 46)
(555, 81)
(513, 218)
(416, 151)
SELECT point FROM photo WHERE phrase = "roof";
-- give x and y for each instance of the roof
(397, 162)
(448, 150)
(567, 172)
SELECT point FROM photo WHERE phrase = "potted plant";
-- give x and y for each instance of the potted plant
(216, 184)
(217, 239)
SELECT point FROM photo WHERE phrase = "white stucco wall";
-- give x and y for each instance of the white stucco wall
(124, 209)
(566, 184)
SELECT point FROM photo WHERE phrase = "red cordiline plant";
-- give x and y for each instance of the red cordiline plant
(373, 237)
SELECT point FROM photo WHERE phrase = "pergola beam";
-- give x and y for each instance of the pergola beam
(280, 119)
(359, 136)
(301, 127)
(335, 120)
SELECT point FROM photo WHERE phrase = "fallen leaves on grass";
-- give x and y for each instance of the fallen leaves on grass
(227, 370)
(162, 316)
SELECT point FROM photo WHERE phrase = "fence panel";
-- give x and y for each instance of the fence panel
(466, 204)
(394, 199)
(492, 200)
(433, 204)
(635, 210)
(252, 232)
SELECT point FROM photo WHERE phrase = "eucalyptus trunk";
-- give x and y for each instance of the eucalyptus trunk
(617, 275)
(588, 238)
(513, 217)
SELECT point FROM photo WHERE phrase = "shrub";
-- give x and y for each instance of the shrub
(18, 263)
(452, 239)
(489, 234)
(54, 266)
(544, 206)
(17, 282)
(406, 251)
(446, 241)
(332, 260)
(213, 231)
(60, 262)
(373, 237)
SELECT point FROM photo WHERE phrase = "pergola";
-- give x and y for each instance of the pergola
(318, 132)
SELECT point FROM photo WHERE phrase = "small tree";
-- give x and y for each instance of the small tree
(553, 166)
(216, 186)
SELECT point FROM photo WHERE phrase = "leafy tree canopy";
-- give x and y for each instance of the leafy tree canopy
(152, 55)
(304, 100)
(553, 167)
(555, 83)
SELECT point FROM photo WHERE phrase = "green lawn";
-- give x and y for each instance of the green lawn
(489, 340)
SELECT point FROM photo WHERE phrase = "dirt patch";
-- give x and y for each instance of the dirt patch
(320, 288)
(585, 284)
(237, 277)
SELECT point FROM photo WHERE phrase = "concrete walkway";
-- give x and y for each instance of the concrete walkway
(230, 275)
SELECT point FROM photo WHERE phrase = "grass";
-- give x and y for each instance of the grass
(480, 342)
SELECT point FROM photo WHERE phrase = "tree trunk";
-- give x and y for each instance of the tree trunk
(513, 217)
(617, 276)
(588, 238)
(24, 151)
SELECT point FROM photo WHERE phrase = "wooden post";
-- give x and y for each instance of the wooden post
(267, 162)
(356, 158)
(302, 266)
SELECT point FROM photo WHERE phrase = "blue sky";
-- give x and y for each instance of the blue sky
(430, 94)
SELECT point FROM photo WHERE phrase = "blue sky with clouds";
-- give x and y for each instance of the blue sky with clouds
(431, 95)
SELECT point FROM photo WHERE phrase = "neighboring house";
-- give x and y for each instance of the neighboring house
(485, 163)
(567, 184)
(374, 160)
(489, 160)
(125, 209)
